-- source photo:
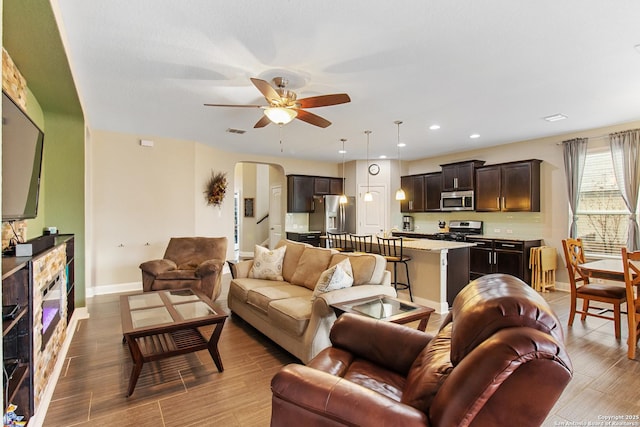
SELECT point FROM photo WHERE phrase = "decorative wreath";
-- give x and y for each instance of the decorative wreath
(215, 188)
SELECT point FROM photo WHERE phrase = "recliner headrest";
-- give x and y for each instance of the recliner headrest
(494, 302)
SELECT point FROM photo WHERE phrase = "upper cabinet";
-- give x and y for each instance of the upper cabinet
(459, 176)
(508, 187)
(413, 186)
(433, 188)
(302, 188)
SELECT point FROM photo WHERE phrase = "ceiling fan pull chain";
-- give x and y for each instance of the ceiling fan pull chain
(280, 125)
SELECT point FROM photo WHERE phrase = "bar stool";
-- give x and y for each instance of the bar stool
(361, 242)
(391, 250)
(338, 241)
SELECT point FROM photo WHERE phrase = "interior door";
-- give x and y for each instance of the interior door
(373, 215)
(275, 216)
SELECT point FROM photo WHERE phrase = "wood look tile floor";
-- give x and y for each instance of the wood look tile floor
(189, 391)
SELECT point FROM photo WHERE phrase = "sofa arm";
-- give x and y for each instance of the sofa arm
(388, 344)
(302, 394)
(209, 266)
(158, 266)
(241, 269)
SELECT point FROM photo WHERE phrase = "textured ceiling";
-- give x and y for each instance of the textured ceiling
(490, 67)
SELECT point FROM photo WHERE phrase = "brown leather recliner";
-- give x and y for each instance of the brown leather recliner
(188, 262)
(498, 359)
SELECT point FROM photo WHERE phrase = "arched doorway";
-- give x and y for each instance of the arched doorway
(259, 206)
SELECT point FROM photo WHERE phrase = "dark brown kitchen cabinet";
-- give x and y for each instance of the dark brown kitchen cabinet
(335, 186)
(413, 186)
(325, 185)
(460, 175)
(302, 188)
(300, 193)
(433, 188)
(500, 256)
(508, 187)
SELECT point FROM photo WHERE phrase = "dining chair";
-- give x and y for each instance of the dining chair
(581, 288)
(338, 241)
(632, 284)
(391, 249)
(361, 242)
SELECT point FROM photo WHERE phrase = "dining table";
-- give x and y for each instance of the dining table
(607, 269)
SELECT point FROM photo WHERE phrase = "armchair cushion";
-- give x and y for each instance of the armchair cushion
(158, 266)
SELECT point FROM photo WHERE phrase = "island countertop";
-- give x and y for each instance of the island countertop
(433, 245)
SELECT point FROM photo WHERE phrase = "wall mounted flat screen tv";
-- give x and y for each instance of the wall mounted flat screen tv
(22, 142)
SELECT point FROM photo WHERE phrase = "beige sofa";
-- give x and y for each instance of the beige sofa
(284, 311)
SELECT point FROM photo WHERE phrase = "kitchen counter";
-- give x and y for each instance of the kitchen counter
(433, 245)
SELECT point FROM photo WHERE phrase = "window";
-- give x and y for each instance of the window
(602, 213)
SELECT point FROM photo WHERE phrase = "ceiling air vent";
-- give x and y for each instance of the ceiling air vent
(238, 131)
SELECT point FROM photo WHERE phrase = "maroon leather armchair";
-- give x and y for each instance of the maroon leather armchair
(188, 262)
(497, 359)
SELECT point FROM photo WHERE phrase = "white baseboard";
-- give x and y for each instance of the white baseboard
(38, 417)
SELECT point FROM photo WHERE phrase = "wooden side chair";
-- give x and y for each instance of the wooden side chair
(361, 242)
(338, 241)
(581, 288)
(631, 267)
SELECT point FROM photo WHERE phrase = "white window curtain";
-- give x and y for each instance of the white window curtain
(625, 152)
(575, 155)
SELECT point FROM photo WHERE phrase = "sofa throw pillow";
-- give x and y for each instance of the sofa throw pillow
(337, 277)
(267, 263)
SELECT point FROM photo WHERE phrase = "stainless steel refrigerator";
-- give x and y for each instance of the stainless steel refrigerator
(330, 216)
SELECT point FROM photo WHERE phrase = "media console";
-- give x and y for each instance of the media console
(28, 353)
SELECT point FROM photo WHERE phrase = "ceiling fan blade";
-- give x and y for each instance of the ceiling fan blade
(324, 100)
(313, 119)
(267, 90)
(234, 105)
(264, 120)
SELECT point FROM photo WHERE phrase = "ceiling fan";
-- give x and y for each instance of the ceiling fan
(284, 106)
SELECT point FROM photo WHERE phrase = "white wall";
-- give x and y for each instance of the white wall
(142, 196)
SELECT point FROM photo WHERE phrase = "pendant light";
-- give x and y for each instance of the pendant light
(368, 197)
(400, 195)
(343, 197)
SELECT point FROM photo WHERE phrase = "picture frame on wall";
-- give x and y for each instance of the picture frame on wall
(248, 207)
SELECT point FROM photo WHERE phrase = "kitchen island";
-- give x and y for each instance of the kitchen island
(438, 270)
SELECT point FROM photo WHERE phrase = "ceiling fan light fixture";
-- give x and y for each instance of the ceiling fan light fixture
(280, 115)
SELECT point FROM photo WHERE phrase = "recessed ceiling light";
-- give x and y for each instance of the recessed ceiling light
(401, 144)
(434, 127)
(383, 156)
(555, 117)
(474, 135)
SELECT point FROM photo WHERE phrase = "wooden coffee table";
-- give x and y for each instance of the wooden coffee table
(386, 308)
(162, 324)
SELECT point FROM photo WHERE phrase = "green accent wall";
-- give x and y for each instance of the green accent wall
(31, 37)
(64, 185)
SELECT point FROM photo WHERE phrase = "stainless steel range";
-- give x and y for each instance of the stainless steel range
(459, 230)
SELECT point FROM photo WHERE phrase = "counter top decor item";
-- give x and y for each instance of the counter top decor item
(216, 187)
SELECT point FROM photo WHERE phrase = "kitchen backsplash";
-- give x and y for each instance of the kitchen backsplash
(499, 224)
(297, 222)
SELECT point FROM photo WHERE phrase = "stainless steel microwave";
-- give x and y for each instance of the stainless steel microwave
(456, 201)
